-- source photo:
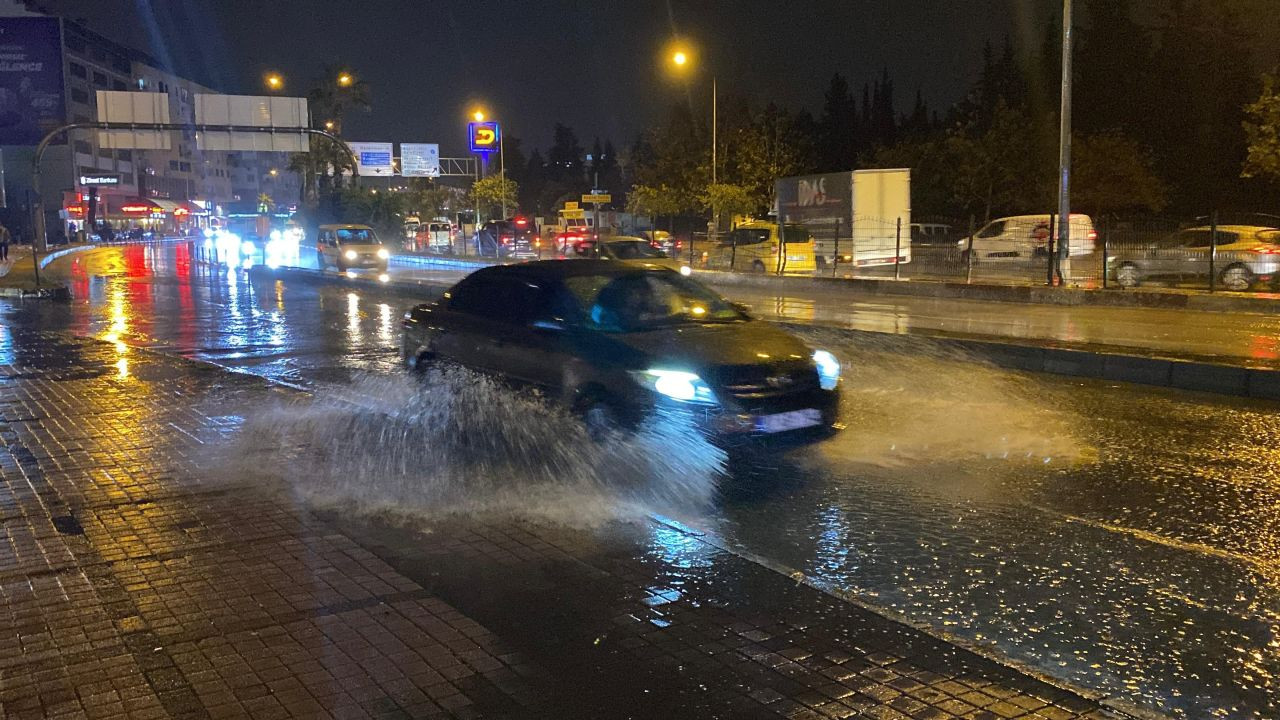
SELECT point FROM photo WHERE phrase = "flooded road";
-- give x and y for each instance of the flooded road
(1121, 537)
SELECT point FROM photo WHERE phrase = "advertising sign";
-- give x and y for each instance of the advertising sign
(484, 137)
(373, 158)
(596, 198)
(816, 197)
(420, 160)
(31, 100)
(99, 180)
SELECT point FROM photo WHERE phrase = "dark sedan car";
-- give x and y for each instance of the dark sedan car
(619, 343)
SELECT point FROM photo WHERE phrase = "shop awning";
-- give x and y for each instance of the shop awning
(168, 206)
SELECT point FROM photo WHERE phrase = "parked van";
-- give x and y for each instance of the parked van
(754, 247)
(1025, 237)
(350, 246)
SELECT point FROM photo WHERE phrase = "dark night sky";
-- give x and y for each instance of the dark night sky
(592, 65)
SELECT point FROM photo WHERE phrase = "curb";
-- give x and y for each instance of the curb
(1196, 375)
(1024, 294)
(985, 651)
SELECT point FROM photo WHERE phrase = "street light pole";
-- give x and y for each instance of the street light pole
(502, 170)
(1064, 151)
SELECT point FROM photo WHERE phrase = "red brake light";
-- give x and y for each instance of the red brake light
(521, 222)
(1093, 234)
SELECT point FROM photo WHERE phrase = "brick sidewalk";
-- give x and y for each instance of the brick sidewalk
(131, 586)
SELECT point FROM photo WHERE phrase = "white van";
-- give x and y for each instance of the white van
(1024, 237)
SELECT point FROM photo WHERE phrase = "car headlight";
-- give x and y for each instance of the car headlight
(248, 248)
(686, 270)
(677, 385)
(383, 253)
(350, 255)
(828, 369)
(276, 235)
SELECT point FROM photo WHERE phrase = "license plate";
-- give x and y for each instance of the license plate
(793, 420)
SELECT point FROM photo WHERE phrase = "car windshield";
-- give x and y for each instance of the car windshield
(646, 301)
(634, 250)
(357, 236)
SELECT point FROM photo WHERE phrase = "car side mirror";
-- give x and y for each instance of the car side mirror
(743, 308)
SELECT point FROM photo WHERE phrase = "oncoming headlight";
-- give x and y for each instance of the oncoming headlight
(677, 385)
(828, 369)
(685, 270)
(350, 255)
(383, 253)
(248, 248)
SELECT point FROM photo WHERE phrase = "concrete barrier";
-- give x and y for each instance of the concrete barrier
(1035, 294)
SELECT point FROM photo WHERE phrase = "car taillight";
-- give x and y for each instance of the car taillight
(1093, 234)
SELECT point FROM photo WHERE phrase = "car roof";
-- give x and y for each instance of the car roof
(1242, 229)
(560, 269)
(345, 226)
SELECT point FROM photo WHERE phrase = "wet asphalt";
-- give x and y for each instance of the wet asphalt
(1120, 537)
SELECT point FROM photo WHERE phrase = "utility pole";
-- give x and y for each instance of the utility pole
(1064, 152)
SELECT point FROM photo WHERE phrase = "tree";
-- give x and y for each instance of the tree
(838, 126)
(1262, 130)
(653, 201)
(1111, 173)
(727, 199)
(379, 209)
(490, 193)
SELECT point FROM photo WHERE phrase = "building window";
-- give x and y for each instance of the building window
(78, 70)
(119, 85)
(173, 164)
(80, 96)
(99, 79)
(83, 147)
(76, 44)
(164, 88)
(126, 155)
(121, 65)
(184, 167)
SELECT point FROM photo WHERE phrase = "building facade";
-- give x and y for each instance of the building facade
(50, 72)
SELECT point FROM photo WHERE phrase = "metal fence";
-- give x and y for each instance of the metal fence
(1238, 252)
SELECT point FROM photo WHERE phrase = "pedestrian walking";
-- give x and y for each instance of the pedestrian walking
(5, 238)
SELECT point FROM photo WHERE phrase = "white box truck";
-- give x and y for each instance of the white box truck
(860, 217)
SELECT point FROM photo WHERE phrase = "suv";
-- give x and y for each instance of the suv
(1024, 237)
(622, 343)
(514, 238)
(1245, 254)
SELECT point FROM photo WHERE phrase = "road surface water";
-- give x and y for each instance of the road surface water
(1121, 537)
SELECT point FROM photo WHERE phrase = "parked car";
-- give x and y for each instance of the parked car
(350, 246)
(514, 238)
(621, 343)
(1026, 237)
(626, 249)
(754, 247)
(1246, 254)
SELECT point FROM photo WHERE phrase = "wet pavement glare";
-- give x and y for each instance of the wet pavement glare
(1121, 537)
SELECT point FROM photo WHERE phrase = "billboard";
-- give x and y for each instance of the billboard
(373, 158)
(419, 159)
(286, 113)
(143, 108)
(31, 100)
(484, 137)
(812, 198)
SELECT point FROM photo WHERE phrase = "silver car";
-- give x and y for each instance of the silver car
(1246, 254)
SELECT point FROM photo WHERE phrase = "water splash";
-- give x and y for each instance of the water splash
(455, 442)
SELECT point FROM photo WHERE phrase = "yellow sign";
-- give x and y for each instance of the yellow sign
(597, 199)
(570, 205)
(575, 214)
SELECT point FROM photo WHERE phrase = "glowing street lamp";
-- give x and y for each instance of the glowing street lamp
(478, 115)
(681, 59)
(345, 79)
(273, 81)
